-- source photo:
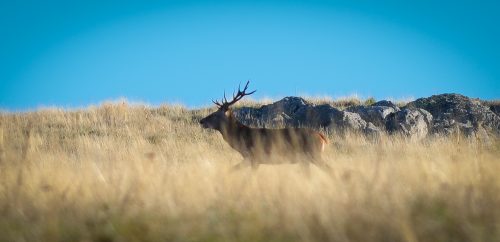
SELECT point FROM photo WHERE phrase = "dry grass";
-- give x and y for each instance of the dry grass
(133, 173)
(494, 102)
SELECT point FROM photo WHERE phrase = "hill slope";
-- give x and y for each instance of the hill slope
(134, 173)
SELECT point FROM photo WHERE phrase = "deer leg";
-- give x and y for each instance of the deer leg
(323, 165)
(306, 168)
(240, 165)
(255, 165)
(245, 163)
(319, 162)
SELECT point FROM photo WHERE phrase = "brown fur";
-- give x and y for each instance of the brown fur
(260, 145)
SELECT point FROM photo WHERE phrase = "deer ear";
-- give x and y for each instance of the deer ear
(228, 113)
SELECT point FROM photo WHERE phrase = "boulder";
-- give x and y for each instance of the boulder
(375, 113)
(411, 122)
(495, 107)
(289, 111)
(341, 121)
(385, 103)
(455, 112)
(296, 112)
(441, 114)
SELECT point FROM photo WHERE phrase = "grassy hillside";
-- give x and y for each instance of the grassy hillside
(133, 173)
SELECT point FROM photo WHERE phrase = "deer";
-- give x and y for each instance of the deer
(262, 145)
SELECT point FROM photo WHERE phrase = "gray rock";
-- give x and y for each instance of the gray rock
(443, 114)
(455, 112)
(375, 113)
(372, 130)
(411, 122)
(296, 112)
(342, 121)
(385, 103)
(289, 111)
(353, 121)
(495, 107)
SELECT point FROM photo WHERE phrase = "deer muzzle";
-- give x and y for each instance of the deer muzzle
(204, 124)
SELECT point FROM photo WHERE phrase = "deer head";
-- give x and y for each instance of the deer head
(222, 118)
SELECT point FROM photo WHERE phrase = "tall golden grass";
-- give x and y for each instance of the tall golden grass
(118, 172)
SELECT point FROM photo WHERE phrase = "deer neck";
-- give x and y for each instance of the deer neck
(232, 130)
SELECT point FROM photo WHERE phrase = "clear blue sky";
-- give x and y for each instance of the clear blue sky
(76, 53)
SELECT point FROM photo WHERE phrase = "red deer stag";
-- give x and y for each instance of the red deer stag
(260, 145)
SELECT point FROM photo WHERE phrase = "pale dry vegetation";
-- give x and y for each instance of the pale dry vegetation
(134, 173)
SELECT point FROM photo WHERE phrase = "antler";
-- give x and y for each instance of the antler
(239, 95)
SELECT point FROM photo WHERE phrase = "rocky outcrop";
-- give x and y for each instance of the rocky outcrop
(495, 107)
(375, 113)
(297, 112)
(412, 122)
(289, 111)
(439, 114)
(457, 113)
